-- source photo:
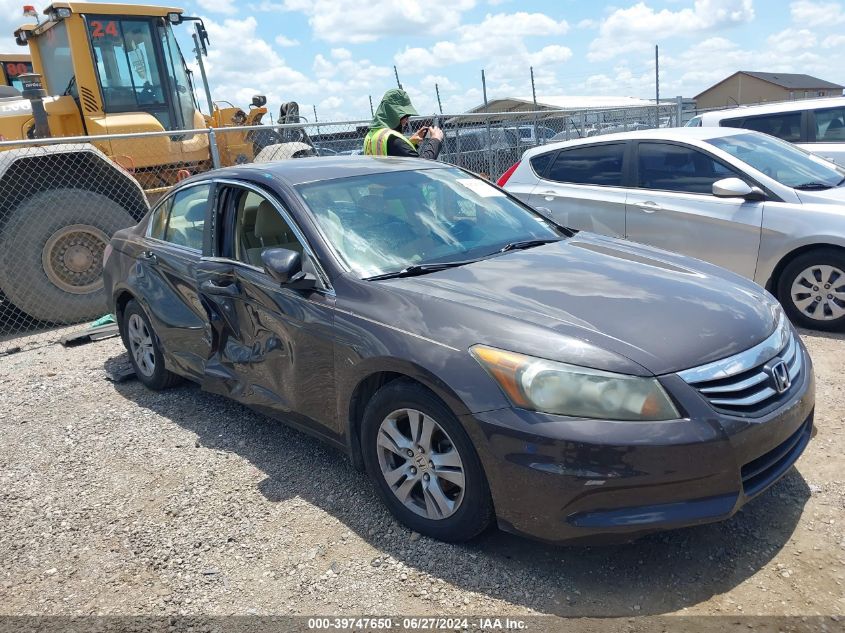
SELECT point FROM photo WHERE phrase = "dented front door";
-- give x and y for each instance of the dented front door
(272, 347)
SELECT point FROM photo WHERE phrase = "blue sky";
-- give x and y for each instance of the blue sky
(335, 53)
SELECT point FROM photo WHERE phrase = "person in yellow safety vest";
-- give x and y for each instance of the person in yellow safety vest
(385, 137)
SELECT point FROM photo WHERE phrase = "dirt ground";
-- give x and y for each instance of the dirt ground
(118, 500)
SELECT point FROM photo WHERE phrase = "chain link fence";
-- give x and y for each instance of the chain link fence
(61, 199)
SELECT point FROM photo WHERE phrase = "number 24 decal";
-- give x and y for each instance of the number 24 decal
(98, 31)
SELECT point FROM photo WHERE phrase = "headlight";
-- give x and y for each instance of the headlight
(552, 387)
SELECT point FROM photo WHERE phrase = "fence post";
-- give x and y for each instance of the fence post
(679, 102)
(212, 144)
(583, 124)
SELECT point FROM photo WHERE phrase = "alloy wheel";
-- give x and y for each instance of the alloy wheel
(818, 292)
(421, 464)
(141, 345)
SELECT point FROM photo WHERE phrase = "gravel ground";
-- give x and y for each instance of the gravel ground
(118, 500)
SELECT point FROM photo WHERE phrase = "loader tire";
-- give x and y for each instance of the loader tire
(51, 253)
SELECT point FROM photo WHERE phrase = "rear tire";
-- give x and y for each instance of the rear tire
(811, 290)
(144, 349)
(51, 253)
(440, 491)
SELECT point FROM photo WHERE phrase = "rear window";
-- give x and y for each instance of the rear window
(589, 165)
(785, 125)
(540, 163)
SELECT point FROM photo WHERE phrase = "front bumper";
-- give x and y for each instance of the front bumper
(559, 479)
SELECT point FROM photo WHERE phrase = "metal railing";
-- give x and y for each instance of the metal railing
(61, 199)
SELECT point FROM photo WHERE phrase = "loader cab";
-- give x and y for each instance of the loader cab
(120, 62)
(140, 68)
(12, 67)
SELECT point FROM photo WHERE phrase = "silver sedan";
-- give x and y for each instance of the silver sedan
(746, 201)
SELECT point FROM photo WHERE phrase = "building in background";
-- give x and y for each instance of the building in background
(744, 87)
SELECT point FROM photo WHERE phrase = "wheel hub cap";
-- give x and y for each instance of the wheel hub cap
(421, 464)
(819, 292)
(72, 258)
(141, 345)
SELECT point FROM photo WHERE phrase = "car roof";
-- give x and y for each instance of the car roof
(774, 108)
(659, 134)
(297, 171)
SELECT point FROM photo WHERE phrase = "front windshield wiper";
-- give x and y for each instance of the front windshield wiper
(513, 246)
(813, 185)
(420, 269)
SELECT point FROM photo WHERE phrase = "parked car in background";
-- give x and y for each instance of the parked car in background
(743, 200)
(817, 125)
(476, 359)
(529, 136)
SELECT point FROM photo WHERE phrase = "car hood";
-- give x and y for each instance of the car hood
(662, 311)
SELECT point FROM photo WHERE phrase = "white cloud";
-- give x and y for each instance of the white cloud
(357, 21)
(808, 14)
(833, 41)
(791, 40)
(281, 40)
(497, 36)
(637, 27)
(218, 6)
(587, 23)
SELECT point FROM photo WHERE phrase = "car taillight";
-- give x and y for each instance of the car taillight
(504, 178)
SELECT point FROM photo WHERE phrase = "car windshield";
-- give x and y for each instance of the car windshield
(386, 222)
(780, 160)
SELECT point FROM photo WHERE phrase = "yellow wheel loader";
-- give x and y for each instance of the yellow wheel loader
(99, 69)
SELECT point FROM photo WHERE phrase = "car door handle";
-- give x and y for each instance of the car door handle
(648, 206)
(226, 290)
(150, 257)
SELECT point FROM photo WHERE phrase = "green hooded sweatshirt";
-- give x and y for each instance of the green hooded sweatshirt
(394, 105)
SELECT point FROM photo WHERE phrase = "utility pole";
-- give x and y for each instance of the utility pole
(396, 72)
(656, 86)
(316, 120)
(439, 104)
(372, 112)
(534, 97)
(489, 134)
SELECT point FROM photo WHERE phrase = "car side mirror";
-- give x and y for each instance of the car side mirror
(737, 188)
(285, 266)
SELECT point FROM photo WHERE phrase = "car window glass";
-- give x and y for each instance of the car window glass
(590, 165)
(830, 125)
(186, 220)
(398, 219)
(784, 162)
(158, 222)
(785, 125)
(675, 168)
(259, 226)
(541, 162)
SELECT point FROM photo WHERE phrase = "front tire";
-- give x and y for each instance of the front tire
(811, 290)
(423, 463)
(144, 349)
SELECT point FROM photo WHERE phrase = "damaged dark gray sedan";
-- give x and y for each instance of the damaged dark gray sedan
(480, 362)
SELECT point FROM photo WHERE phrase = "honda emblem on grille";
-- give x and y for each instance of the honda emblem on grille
(779, 372)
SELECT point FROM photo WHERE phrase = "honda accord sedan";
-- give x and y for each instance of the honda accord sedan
(479, 361)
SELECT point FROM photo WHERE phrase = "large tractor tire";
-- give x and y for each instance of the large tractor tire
(51, 253)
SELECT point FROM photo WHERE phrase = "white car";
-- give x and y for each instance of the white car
(743, 200)
(817, 125)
